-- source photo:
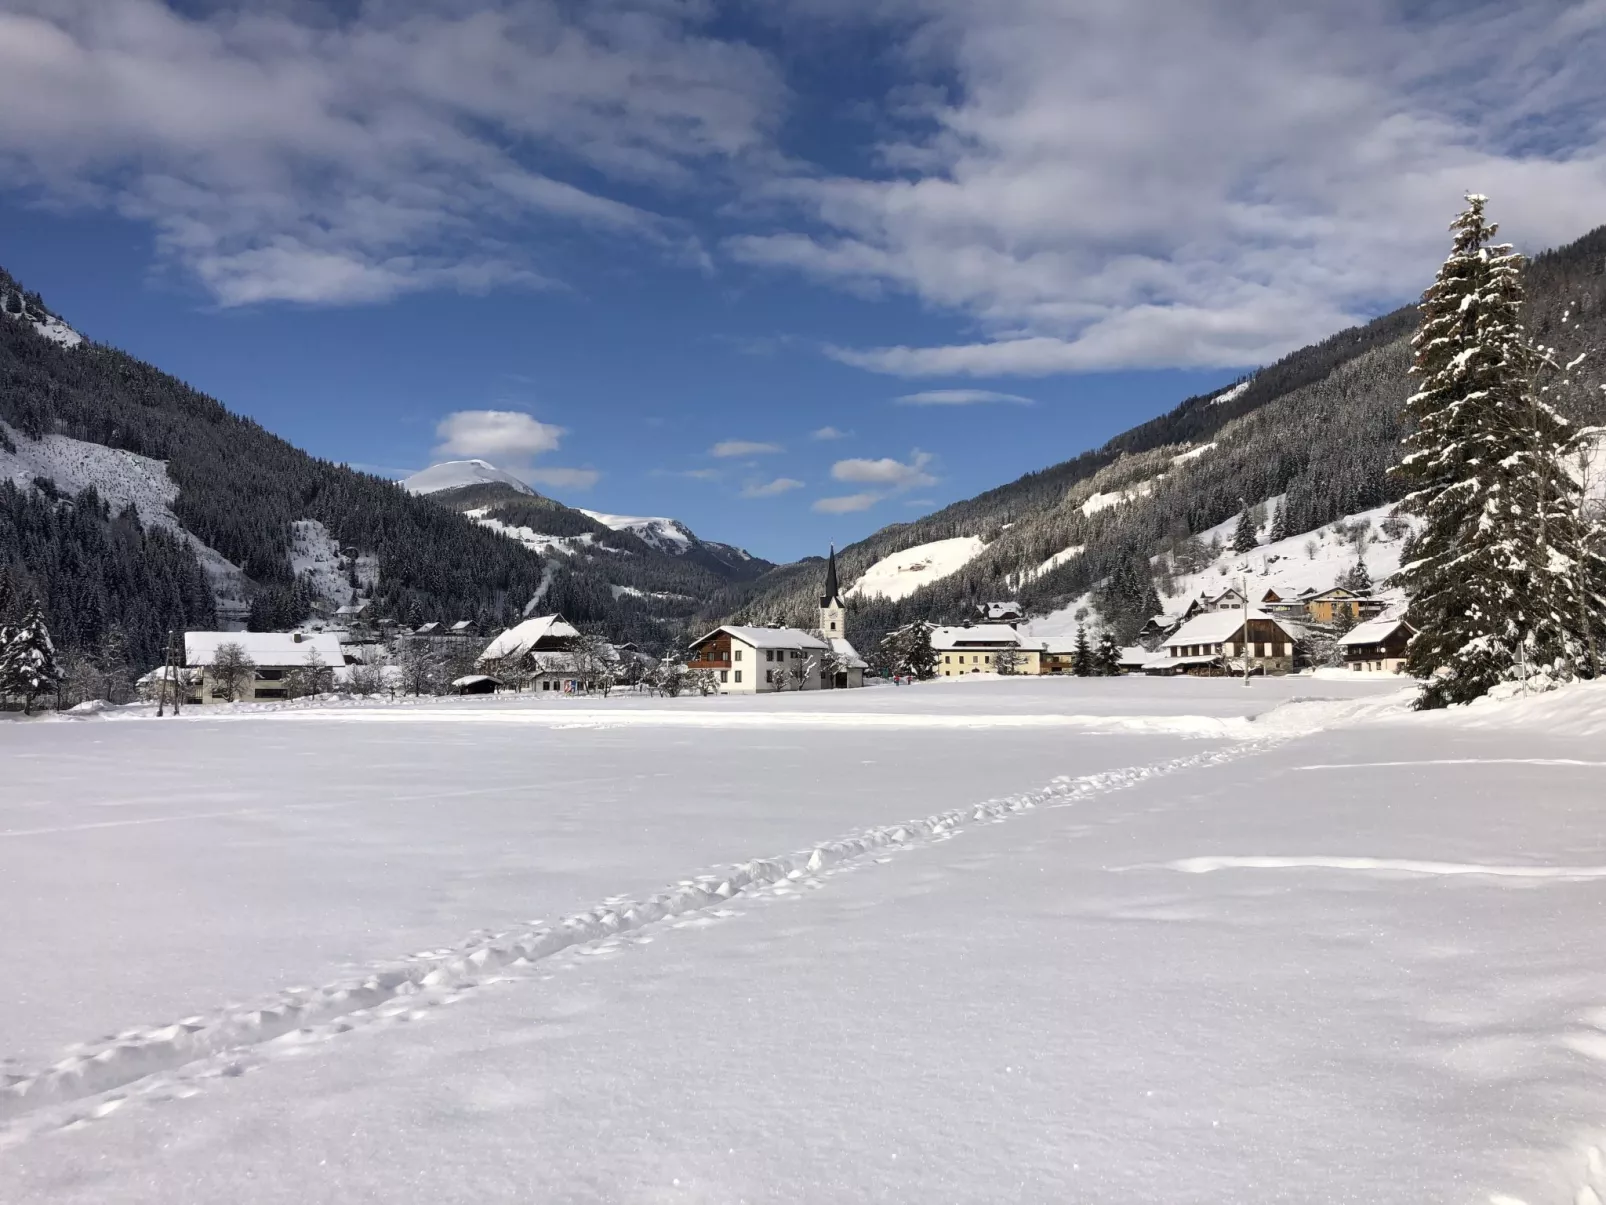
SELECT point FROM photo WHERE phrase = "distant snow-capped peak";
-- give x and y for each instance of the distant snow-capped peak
(454, 474)
(666, 535)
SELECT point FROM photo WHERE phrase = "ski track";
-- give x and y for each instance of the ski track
(173, 1061)
(1208, 865)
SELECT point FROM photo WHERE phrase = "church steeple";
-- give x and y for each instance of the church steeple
(833, 594)
(833, 611)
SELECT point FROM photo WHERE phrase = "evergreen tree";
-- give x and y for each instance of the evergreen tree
(28, 664)
(1082, 655)
(1501, 582)
(1357, 578)
(1279, 524)
(1244, 535)
(1107, 660)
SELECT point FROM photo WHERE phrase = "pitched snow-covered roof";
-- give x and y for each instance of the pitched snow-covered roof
(1053, 645)
(1173, 662)
(1213, 627)
(265, 648)
(981, 635)
(769, 638)
(1373, 631)
(522, 637)
(471, 679)
(841, 647)
(1136, 655)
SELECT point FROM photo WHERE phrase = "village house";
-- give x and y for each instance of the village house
(1214, 642)
(753, 660)
(1376, 646)
(540, 651)
(1328, 605)
(274, 656)
(974, 650)
(1054, 654)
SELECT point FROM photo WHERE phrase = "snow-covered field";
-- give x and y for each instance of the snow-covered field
(1099, 940)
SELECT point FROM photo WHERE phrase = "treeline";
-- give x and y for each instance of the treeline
(240, 487)
(99, 575)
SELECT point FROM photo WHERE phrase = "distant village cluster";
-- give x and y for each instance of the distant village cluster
(357, 654)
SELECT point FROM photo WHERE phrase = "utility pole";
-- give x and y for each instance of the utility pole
(167, 676)
(1243, 588)
(178, 664)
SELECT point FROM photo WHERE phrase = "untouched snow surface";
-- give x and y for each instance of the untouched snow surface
(1319, 955)
(902, 573)
(453, 474)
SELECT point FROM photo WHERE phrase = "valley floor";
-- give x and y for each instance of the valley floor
(1104, 941)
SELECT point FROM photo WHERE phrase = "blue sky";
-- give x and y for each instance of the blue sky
(787, 272)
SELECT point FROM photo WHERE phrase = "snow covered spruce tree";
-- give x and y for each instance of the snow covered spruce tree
(1244, 536)
(1107, 657)
(1082, 655)
(1501, 581)
(28, 665)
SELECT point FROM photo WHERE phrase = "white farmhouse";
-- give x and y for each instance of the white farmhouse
(274, 654)
(753, 660)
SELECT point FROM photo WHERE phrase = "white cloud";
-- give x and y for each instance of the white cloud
(1102, 185)
(560, 478)
(894, 474)
(284, 152)
(743, 447)
(827, 433)
(961, 397)
(770, 489)
(495, 434)
(846, 503)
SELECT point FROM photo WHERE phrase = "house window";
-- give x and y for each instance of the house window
(769, 675)
(769, 655)
(724, 675)
(272, 692)
(738, 675)
(738, 654)
(947, 660)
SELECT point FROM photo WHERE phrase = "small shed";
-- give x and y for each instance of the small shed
(475, 684)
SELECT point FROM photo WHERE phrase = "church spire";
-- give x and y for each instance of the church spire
(832, 595)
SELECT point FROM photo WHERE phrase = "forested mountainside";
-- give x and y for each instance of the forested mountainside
(239, 489)
(1320, 427)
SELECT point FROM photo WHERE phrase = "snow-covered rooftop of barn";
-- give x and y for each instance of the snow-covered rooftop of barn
(265, 648)
(1213, 627)
(523, 637)
(1371, 632)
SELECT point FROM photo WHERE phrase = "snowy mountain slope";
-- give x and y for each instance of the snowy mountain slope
(455, 474)
(675, 538)
(1311, 560)
(25, 307)
(901, 574)
(122, 479)
(666, 535)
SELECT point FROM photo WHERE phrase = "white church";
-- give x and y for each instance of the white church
(750, 660)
